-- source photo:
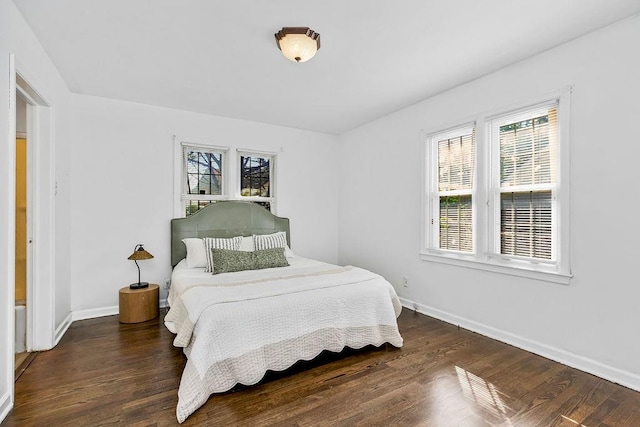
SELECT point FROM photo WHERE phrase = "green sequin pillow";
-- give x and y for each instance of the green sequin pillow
(228, 261)
(270, 258)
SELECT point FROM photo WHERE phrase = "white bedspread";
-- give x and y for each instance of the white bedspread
(236, 326)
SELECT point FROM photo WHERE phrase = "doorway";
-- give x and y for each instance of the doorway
(34, 121)
(41, 331)
(21, 234)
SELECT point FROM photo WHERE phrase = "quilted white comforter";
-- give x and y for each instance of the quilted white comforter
(236, 326)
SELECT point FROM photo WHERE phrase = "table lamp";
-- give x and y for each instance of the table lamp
(139, 253)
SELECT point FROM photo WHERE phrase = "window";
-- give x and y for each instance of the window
(207, 174)
(524, 182)
(453, 189)
(494, 196)
(256, 173)
(203, 177)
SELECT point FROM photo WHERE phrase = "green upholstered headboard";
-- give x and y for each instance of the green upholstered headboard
(224, 219)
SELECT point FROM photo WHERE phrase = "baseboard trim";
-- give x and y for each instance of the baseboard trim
(104, 311)
(95, 312)
(610, 373)
(62, 329)
(6, 404)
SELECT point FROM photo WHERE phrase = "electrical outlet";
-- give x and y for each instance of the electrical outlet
(405, 282)
(167, 283)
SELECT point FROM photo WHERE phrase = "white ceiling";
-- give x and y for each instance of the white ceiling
(220, 57)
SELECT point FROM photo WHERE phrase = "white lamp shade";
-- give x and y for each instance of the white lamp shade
(298, 44)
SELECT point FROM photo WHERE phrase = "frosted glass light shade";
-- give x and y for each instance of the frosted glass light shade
(298, 44)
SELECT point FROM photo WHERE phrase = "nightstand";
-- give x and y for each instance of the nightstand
(139, 305)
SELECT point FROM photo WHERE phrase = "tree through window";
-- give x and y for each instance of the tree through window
(203, 178)
(256, 178)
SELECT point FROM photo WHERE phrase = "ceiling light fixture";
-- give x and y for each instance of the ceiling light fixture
(298, 44)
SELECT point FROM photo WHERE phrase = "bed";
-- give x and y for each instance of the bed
(235, 326)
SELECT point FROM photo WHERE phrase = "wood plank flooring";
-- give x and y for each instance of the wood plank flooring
(22, 361)
(107, 373)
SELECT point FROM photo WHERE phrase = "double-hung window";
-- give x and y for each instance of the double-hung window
(524, 180)
(204, 179)
(497, 194)
(452, 181)
(207, 174)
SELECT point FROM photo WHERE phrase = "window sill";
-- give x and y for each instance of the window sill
(553, 277)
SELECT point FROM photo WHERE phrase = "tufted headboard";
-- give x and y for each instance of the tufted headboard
(228, 218)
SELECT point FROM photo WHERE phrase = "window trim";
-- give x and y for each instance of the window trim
(484, 257)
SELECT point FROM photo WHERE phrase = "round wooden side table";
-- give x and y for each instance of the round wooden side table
(139, 305)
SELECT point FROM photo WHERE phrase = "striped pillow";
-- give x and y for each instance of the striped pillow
(232, 244)
(270, 241)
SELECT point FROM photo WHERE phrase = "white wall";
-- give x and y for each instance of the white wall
(35, 66)
(51, 205)
(593, 322)
(122, 190)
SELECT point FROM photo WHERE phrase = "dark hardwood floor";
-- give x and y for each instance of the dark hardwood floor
(106, 373)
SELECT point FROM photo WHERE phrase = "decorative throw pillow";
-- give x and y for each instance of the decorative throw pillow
(270, 258)
(247, 244)
(268, 241)
(219, 243)
(227, 261)
(196, 254)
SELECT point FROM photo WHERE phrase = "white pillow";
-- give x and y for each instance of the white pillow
(196, 255)
(288, 252)
(232, 244)
(247, 244)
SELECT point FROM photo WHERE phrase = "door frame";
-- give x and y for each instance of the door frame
(40, 217)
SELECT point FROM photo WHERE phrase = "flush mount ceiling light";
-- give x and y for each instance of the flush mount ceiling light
(298, 44)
